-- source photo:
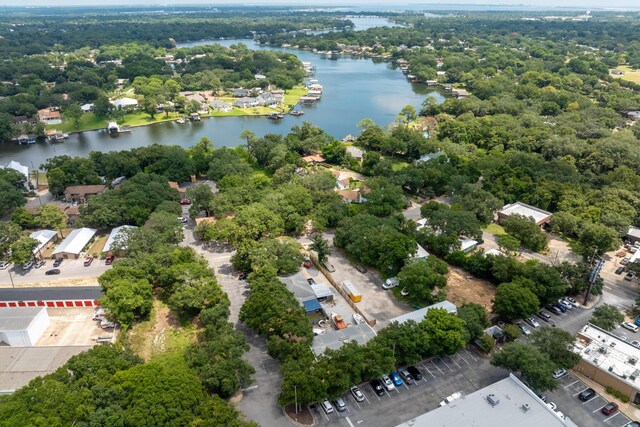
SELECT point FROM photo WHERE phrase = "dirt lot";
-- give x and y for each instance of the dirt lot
(150, 337)
(71, 326)
(463, 288)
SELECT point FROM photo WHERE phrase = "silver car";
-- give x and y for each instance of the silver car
(533, 322)
(523, 328)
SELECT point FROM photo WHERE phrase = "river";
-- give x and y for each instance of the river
(353, 89)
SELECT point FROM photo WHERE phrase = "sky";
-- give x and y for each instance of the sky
(608, 4)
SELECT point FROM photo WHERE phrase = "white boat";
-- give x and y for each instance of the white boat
(181, 121)
(358, 319)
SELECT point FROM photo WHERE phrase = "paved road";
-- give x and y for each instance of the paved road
(69, 269)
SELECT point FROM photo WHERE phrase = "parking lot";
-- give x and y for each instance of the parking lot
(69, 269)
(463, 372)
(584, 414)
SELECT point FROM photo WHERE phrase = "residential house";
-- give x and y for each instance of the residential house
(49, 117)
(72, 246)
(17, 166)
(539, 216)
(23, 120)
(116, 183)
(633, 115)
(246, 103)
(222, 106)
(118, 238)
(430, 156)
(125, 104)
(45, 239)
(260, 77)
(267, 100)
(241, 92)
(633, 235)
(343, 184)
(80, 193)
(617, 73)
(175, 185)
(87, 108)
(314, 159)
(356, 152)
(459, 93)
(352, 196)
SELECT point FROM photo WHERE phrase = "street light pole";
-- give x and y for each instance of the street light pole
(11, 278)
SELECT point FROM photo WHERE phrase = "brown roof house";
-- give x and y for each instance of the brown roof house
(80, 193)
(314, 159)
(175, 185)
(49, 117)
(352, 196)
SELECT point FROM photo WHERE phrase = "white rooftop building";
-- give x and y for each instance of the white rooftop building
(44, 238)
(22, 326)
(74, 243)
(539, 216)
(418, 315)
(125, 103)
(505, 403)
(118, 234)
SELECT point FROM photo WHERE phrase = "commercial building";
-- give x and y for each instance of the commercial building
(67, 296)
(540, 217)
(609, 361)
(505, 403)
(22, 326)
(74, 243)
(45, 238)
(335, 339)
(418, 315)
(120, 235)
(633, 235)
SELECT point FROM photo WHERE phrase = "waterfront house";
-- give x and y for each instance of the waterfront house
(355, 152)
(313, 159)
(430, 156)
(246, 103)
(125, 104)
(241, 92)
(80, 193)
(459, 93)
(49, 116)
(218, 105)
(23, 120)
(266, 99)
(54, 135)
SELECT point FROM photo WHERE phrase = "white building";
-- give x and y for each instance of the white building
(22, 326)
(124, 103)
(418, 315)
(540, 217)
(44, 238)
(118, 234)
(74, 243)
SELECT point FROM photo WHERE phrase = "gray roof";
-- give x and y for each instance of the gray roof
(335, 339)
(418, 315)
(17, 318)
(517, 406)
(114, 234)
(19, 365)
(75, 241)
(51, 294)
(634, 232)
(298, 286)
(321, 290)
(519, 208)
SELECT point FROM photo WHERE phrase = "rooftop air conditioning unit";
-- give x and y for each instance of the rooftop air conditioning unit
(493, 400)
(525, 407)
(632, 361)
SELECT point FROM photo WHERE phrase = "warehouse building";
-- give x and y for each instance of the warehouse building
(73, 245)
(22, 326)
(68, 296)
(418, 315)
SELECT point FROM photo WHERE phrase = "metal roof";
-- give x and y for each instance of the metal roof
(17, 318)
(311, 305)
(516, 405)
(113, 235)
(335, 339)
(75, 241)
(418, 315)
(519, 208)
(43, 237)
(51, 294)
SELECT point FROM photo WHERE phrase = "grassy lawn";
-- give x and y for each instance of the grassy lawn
(495, 229)
(398, 165)
(629, 74)
(98, 244)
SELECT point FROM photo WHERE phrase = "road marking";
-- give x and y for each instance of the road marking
(598, 409)
(465, 360)
(349, 421)
(430, 373)
(456, 363)
(470, 355)
(579, 393)
(445, 364)
(612, 416)
(575, 382)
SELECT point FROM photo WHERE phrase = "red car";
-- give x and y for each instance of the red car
(307, 262)
(88, 260)
(109, 260)
(609, 408)
(185, 202)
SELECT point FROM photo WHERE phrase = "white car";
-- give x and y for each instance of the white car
(388, 384)
(573, 302)
(4, 265)
(391, 282)
(533, 322)
(559, 373)
(635, 343)
(552, 406)
(454, 396)
(182, 219)
(27, 265)
(404, 292)
(630, 326)
(523, 328)
(561, 415)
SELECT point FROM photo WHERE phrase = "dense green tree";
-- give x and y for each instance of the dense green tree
(476, 319)
(526, 231)
(73, 113)
(201, 197)
(127, 299)
(22, 249)
(227, 161)
(508, 243)
(321, 247)
(10, 232)
(557, 344)
(445, 332)
(383, 197)
(50, 216)
(534, 365)
(606, 317)
(423, 280)
(596, 239)
(514, 301)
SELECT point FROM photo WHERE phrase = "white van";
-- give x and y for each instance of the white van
(101, 314)
(391, 282)
(630, 326)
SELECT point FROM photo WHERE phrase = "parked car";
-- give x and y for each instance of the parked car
(559, 373)
(100, 314)
(523, 328)
(88, 260)
(52, 272)
(326, 407)
(573, 301)
(625, 260)
(307, 262)
(406, 376)
(555, 310)
(415, 373)
(361, 268)
(109, 260)
(39, 263)
(624, 338)
(560, 307)
(619, 270)
(27, 265)
(57, 262)
(566, 304)
(397, 381)
(449, 399)
(339, 404)
(388, 384)
(552, 406)
(542, 397)
(377, 387)
(4, 265)
(628, 276)
(182, 219)
(107, 325)
(243, 276)
(391, 282)
(185, 202)
(630, 326)
(356, 393)
(609, 408)
(533, 322)
(633, 424)
(561, 415)
(544, 315)
(635, 343)
(587, 394)
(310, 281)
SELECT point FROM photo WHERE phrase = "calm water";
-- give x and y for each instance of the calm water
(353, 89)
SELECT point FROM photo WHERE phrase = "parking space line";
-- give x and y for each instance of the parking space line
(612, 416)
(470, 355)
(436, 368)
(465, 360)
(445, 364)
(456, 363)
(597, 409)
(575, 382)
(579, 393)
(349, 421)
(430, 373)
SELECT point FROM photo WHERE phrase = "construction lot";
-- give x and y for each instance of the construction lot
(463, 288)
(71, 326)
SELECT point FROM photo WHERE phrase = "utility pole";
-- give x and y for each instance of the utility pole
(595, 274)
(295, 394)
